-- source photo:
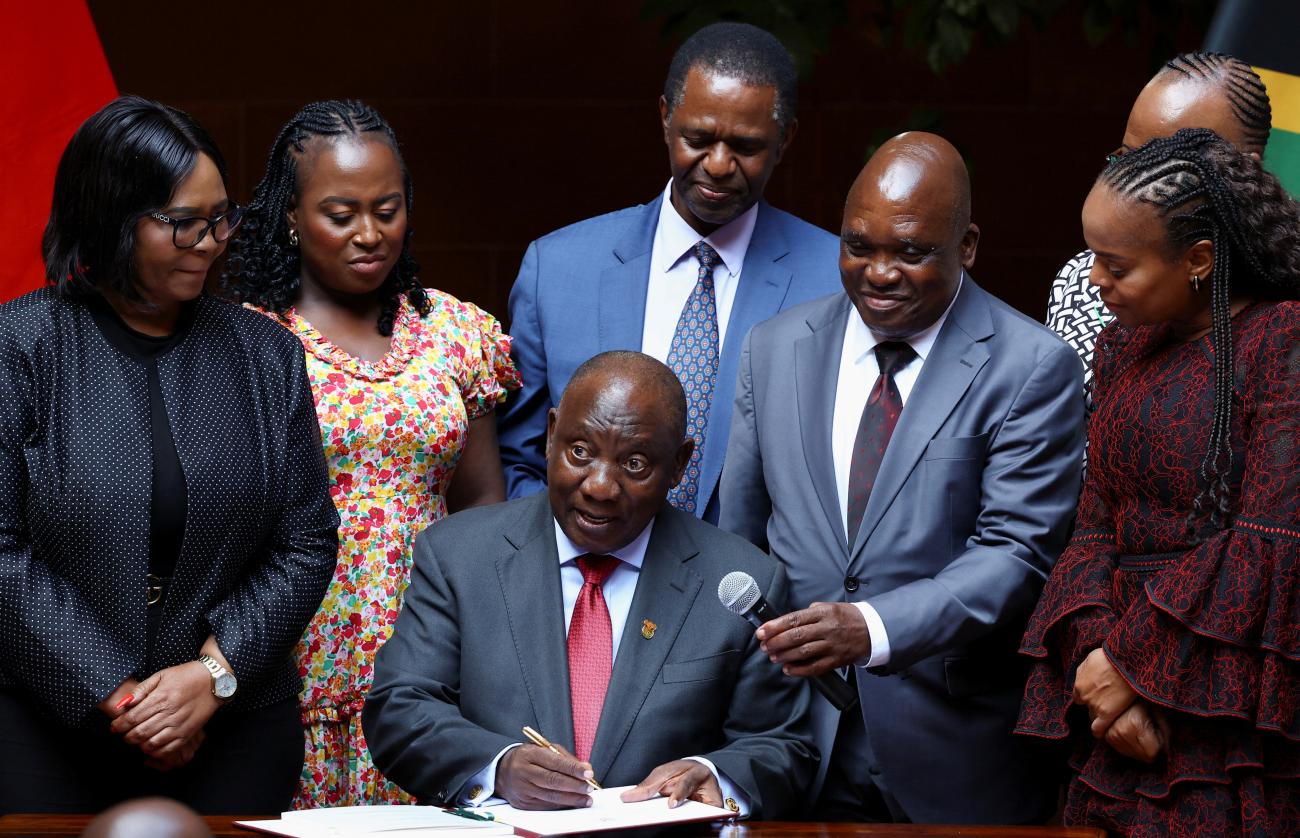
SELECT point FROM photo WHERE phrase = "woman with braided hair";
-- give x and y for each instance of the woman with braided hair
(405, 379)
(1167, 640)
(1192, 90)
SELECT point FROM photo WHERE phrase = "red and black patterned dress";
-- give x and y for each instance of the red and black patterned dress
(1207, 625)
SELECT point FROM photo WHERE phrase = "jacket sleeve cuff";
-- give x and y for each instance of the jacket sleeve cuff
(733, 797)
(480, 789)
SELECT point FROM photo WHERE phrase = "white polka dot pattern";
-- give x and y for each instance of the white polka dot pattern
(260, 534)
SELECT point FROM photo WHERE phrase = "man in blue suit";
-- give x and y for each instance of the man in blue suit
(910, 451)
(683, 277)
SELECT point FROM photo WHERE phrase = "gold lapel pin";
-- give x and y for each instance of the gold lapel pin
(648, 629)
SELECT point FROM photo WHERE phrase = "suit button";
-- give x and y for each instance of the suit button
(873, 770)
(851, 584)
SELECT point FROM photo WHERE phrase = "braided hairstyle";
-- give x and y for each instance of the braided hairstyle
(1203, 188)
(1241, 86)
(263, 267)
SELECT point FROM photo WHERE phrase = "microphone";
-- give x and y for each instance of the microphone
(740, 594)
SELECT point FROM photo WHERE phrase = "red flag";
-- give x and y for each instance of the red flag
(55, 76)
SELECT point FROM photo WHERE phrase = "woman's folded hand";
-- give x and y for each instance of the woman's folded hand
(1100, 688)
(170, 707)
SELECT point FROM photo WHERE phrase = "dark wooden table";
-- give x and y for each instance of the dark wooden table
(71, 825)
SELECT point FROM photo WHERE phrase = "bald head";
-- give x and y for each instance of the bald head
(907, 234)
(158, 817)
(922, 171)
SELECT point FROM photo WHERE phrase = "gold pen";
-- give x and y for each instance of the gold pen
(542, 742)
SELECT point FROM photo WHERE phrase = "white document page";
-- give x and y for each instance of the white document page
(377, 821)
(607, 812)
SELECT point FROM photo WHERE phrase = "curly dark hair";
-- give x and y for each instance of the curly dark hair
(1204, 188)
(263, 267)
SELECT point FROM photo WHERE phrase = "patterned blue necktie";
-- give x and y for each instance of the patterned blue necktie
(693, 355)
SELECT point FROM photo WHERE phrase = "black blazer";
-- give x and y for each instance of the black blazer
(261, 535)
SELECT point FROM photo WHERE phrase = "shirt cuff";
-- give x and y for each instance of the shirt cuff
(879, 637)
(478, 790)
(733, 797)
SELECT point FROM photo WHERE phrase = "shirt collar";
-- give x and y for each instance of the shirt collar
(861, 339)
(632, 553)
(674, 238)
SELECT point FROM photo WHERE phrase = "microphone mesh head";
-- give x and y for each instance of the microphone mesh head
(738, 592)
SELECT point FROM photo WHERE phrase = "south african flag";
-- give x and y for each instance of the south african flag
(1266, 33)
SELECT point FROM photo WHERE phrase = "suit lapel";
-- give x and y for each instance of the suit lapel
(530, 581)
(954, 361)
(623, 286)
(664, 595)
(817, 370)
(764, 284)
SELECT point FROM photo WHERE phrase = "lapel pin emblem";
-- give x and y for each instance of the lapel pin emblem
(648, 629)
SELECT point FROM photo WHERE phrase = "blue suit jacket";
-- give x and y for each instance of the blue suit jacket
(972, 505)
(582, 290)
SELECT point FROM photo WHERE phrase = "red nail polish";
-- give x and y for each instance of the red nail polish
(130, 697)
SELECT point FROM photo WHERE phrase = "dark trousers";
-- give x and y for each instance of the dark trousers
(854, 790)
(249, 763)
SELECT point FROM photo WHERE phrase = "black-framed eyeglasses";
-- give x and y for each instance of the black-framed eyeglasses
(188, 232)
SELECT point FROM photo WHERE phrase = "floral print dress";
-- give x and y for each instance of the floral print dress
(393, 431)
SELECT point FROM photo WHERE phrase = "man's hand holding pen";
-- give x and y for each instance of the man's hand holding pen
(533, 777)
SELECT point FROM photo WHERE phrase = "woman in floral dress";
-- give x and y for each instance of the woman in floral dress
(405, 381)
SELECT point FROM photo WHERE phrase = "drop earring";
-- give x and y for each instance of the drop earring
(1196, 282)
(293, 239)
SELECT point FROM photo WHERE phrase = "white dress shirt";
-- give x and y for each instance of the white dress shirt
(858, 373)
(618, 590)
(674, 271)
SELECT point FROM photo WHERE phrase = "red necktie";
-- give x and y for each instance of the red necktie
(591, 652)
(879, 417)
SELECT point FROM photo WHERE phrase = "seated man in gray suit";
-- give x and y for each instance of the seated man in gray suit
(911, 453)
(589, 613)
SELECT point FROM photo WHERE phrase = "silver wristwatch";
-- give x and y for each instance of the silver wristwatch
(223, 680)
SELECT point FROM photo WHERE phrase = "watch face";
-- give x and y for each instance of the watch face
(225, 686)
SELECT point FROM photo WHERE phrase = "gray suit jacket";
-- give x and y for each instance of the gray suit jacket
(479, 651)
(971, 507)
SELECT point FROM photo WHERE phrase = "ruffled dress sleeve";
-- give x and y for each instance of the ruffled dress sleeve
(487, 374)
(1218, 635)
(1076, 610)
(1215, 635)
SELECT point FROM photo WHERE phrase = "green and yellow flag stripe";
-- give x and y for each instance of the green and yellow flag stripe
(1263, 33)
(1282, 156)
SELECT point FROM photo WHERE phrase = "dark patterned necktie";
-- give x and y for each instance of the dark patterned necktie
(591, 652)
(879, 417)
(693, 355)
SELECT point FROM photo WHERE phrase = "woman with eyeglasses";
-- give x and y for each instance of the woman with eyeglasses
(165, 526)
